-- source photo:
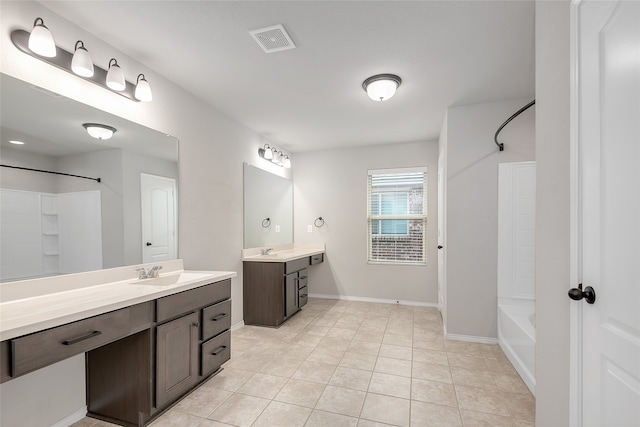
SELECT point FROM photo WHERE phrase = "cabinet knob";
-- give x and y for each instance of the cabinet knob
(196, 324)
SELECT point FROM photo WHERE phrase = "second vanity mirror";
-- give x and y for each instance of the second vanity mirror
(268, 208)
(56, 224)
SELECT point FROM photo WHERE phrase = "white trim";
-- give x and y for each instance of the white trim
(470, 338)
(575, 276)
(237, 326)
(73, 418)
(376, 300)
(397, 170)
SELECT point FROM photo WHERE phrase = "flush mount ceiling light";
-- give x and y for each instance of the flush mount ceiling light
(82, 64)
(98, 131)
(143, 90)
(41, 40)
(381, 86)
(115, 76)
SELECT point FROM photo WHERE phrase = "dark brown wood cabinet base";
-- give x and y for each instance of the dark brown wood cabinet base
(133, 380)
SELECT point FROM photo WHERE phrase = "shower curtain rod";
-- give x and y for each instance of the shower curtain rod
(516, 114)
(54, 173)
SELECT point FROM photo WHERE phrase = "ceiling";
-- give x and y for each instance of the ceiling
(310, 98)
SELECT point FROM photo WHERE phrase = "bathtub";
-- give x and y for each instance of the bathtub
(517, 337)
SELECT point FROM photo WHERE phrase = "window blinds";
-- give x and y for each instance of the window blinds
(396, 214)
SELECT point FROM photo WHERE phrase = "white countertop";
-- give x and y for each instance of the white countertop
(282, 252)
(28, 313)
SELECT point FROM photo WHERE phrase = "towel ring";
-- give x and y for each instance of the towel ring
(266, 222)
(319, 222)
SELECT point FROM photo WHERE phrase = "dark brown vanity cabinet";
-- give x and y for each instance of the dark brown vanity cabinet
(274, 291)
(132, 380)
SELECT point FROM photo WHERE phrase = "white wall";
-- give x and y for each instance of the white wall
(16, 179)
(472, 208)
(333, 184)
(552, 213)
(212, 150)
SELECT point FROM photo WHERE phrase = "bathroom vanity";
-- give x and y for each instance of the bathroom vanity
(275, 284)
(147, 342)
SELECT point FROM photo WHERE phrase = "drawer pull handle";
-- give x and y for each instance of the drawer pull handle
(82, 338)
(219, 317)
(218, 350)
(195, 324)
(303, 277)
(303, 296)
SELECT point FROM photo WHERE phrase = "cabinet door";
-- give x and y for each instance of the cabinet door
(177, 358)
(290, 294)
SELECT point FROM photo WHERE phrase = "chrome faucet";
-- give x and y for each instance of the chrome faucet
(266, 251)
(152, 273)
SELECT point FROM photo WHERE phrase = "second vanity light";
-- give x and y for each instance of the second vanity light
(39, 44)
(274, 156)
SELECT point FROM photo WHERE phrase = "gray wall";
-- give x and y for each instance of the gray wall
(552, 213)
(472, 208)
(333, 184)
(16, 179)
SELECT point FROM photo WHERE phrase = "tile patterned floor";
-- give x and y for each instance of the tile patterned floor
(356, 364)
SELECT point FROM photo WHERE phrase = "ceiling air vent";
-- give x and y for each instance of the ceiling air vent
(273, 39)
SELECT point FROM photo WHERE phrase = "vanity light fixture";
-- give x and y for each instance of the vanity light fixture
(143, 90)
(115, 76)
(274, 156)
(381, 86)
(98, 131)
(81, 64)
(41, 40)
(39, 44)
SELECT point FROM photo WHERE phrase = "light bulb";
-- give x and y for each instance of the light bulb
(143, 90)
(81, 64)
(115, 76)
(41, 40)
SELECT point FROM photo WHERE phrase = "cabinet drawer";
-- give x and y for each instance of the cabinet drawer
(295, 265)
(317, 259)
(215, 352)
(183, 302)
(215, 319)
(38, 350)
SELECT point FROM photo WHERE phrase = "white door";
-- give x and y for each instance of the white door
(608, 126)
(158, 218)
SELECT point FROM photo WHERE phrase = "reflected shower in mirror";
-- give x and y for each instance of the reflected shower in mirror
(268, 208)
(54, 224)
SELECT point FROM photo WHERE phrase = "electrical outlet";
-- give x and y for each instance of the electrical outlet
(277, 228)
(309, 228)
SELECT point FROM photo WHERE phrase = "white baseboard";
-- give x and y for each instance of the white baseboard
(237, 326)
(377, 300)
(470, 338)
(73, 418)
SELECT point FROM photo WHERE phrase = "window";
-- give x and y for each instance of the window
(397, 216)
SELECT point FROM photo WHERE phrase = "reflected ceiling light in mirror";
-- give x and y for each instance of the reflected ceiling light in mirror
(41, 40)
(82, 64)
(143, 90)
(381, 86)
(15, 142)
(98, 131)
(115, 76)
(274, 156)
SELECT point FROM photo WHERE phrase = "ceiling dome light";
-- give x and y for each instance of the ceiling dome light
(41, 40)
(143, 90)
(381, 86)
(81, 64)
(115, 76)
(98, 131)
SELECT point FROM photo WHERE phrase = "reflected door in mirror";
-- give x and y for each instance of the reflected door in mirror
(158, 218)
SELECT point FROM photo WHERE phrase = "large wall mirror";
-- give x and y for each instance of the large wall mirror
(268, 208)
(54, 224)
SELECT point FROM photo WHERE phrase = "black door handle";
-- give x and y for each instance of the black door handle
(589, 294)
(439, 246)
(148, 243)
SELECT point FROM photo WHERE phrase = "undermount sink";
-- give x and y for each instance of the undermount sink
(281, 254)
(171, 279)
